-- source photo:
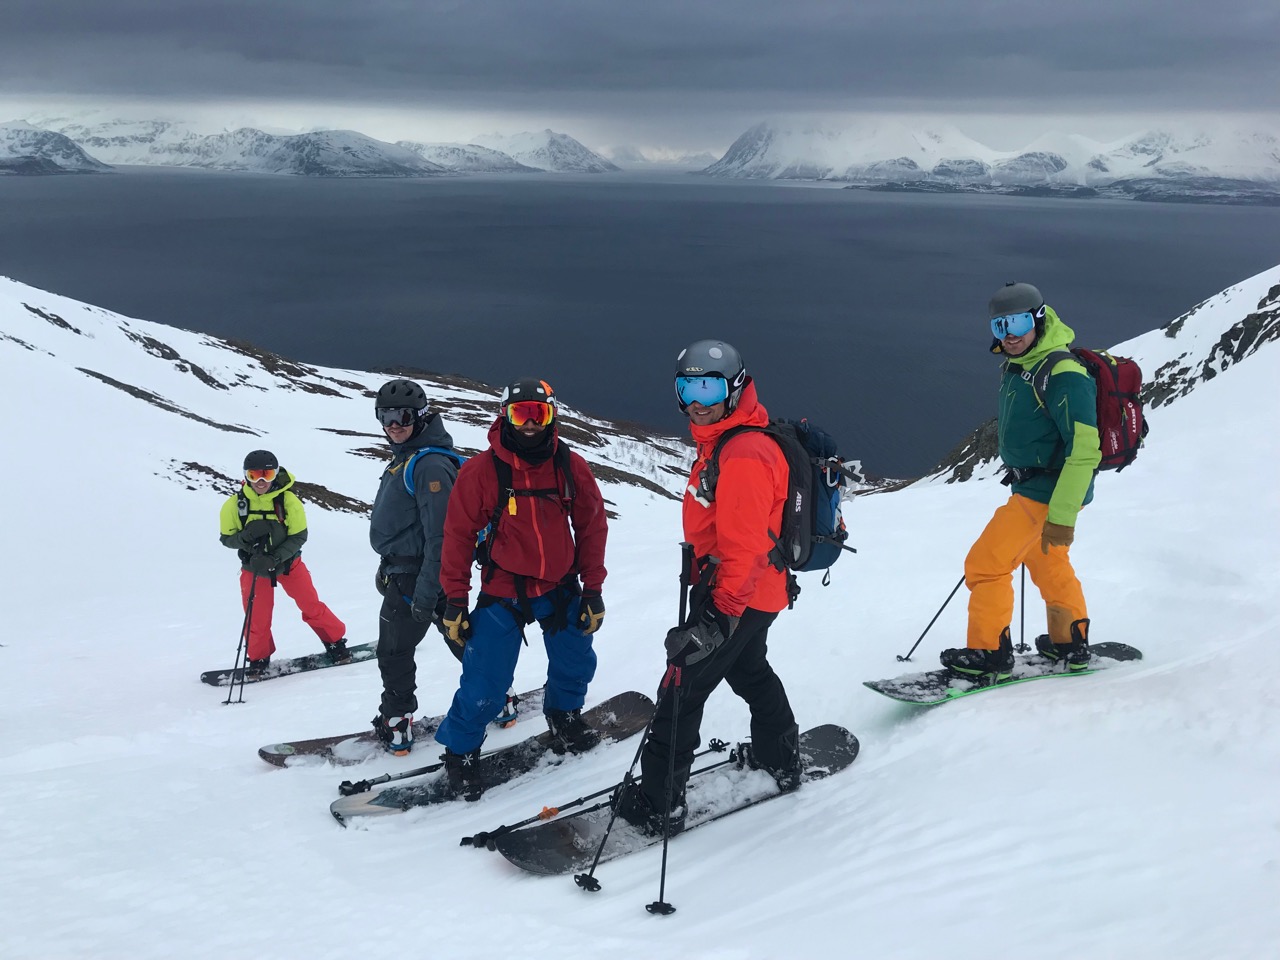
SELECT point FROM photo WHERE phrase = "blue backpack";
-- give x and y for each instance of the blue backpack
(813, 531)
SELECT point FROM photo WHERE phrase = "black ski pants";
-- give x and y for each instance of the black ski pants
(398, 638)
(742, 661)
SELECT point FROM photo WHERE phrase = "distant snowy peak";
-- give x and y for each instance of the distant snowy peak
(548, 150)
(324, 153)
(466, 157)
(892, 150)
(660, 156)
(31, 150)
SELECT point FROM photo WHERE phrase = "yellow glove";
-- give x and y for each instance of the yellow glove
(1056, 535)
(456, 625)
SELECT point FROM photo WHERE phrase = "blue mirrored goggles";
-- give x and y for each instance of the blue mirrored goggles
(1013, 325)
(707, 391)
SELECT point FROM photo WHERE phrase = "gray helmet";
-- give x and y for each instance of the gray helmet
(1015, 298)
(713, 358)
(401, 393)
(261, 460)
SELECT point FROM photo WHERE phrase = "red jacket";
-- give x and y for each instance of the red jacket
(536, 540)
(750, 495)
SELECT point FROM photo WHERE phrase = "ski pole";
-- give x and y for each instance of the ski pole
(243, 646)
(901, 658)
(587, 881)
(347, 788)
(660, 906)
(1022, 626)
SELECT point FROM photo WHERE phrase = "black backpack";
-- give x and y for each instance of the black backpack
(813, 531)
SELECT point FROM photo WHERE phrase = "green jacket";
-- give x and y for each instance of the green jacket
(283, 540)
(1060, 437)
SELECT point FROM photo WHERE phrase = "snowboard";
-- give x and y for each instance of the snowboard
(282, 668)
(616, 719)
(939, 686)
(570, 843)
(351, 748)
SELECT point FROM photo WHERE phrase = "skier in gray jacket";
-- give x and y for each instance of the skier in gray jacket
(406, 529)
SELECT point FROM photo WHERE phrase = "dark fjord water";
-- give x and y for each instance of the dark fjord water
(864, 311)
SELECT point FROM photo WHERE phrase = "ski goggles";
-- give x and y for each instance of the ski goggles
(1015, 324)
(537, 412)
(254, 474)
(393, 416)
(707, 391)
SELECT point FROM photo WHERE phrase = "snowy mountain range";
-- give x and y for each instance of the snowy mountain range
(29, 150)
(659, 157)
(323, 153)
(941, 157)
(1127, 813)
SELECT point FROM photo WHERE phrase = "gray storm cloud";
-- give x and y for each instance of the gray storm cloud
(686, 55)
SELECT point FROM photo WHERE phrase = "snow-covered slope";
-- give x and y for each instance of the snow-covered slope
(25, 148)
(890, 150)
(547, 150)
(465, 157)
(1125, 814)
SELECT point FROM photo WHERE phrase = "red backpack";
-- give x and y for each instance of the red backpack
(1121, 424)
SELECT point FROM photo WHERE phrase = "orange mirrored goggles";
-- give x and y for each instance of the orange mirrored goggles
(254, 474)
(530, 411)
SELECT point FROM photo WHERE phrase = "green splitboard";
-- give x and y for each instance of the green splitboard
(939, 686)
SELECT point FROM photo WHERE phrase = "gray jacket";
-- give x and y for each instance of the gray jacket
(407, 531)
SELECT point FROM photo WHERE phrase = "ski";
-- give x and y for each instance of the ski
(617, 718)
(570, 843)
(939, 686)
(283, 668)
(347, 749)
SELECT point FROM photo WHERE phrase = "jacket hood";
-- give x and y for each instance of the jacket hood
(433, 435)
(750, 412)
(1057, 336)
(282, 482)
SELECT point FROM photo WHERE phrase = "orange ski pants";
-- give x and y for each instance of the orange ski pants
(1012, 537)
(297, 584)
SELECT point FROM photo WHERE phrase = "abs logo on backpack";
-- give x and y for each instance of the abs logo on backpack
(813, 531)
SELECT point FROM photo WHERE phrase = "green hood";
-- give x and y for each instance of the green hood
(1057, 336)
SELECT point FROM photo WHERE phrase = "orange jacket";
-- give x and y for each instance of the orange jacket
(735, 527)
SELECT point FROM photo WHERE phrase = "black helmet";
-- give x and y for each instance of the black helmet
(1015, 298)
(261, 460)
(401, 393)
(713, 358)
(528, 388)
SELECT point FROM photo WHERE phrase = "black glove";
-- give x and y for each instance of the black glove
(687, 645)
(457, 628)
(590, 612)
(262, 564)
(421, 611)
(253, 533)
(380, 581)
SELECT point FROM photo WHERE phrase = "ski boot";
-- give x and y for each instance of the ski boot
(463, 772)
(255, 669)
(396, 733)
(984, 666)
(635, 807)
(787, 776)
(569, 732)
(510, 711)
(1074, 654)
(338, 652)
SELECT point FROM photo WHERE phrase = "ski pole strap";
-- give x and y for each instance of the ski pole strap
(673, 673)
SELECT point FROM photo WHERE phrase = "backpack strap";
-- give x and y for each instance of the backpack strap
(710, 476)
(421, 452)
(242, 508)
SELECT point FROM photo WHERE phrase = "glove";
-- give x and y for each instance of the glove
(687, 645)
(590, 612)
(253, 533)
(421, 612)
(1056, 535)
(262, 564)
(457, 628)
(380, 582)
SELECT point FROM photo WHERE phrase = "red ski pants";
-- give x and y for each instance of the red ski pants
(297, 584)
(1012, 537)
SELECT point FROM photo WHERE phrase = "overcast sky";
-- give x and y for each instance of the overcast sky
(683, 73)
